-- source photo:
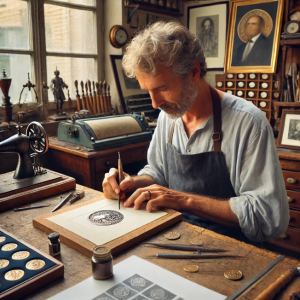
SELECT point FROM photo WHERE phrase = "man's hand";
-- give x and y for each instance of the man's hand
(160, 197)
(112, 189)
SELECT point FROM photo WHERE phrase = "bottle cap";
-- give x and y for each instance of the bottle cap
(102, 252)
(53, 237)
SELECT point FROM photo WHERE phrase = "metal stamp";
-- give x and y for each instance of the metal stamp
(20, 255)
(3, 263)
(14, 275)
(35, 264)
(105, 217)
(9, 247)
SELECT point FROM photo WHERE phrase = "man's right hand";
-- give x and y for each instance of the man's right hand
(112, 189)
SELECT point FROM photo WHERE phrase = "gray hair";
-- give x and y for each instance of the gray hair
(166, 44)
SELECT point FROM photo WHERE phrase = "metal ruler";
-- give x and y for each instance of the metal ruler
(255, 278)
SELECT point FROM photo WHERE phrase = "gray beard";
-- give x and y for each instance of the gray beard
(187, 98)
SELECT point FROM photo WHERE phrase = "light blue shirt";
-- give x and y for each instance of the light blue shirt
(251, 156)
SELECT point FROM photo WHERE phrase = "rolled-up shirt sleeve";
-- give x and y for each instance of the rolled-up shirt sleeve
(261, 205)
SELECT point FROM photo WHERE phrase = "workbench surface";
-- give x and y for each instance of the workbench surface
(210, 274)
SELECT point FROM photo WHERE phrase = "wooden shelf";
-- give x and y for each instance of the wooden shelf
(159, 10)
(290, 42)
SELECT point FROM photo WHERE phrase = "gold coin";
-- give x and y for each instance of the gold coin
(196, 241)
(2, 239)
(9, 247)
(233, 274)
(14, 275)
(35, 264)
(191, 268)
(20, 255)
(172, 235)
(3, 263)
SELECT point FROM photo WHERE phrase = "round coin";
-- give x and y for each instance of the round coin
(172, 235)
(191, 268)
(14, 275)
(20, 255)
(233, 274)
(2, 239)
(3, 263)
(35, 264)
(196, 241)
(9, 247)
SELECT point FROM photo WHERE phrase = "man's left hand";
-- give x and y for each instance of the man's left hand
(159, 196)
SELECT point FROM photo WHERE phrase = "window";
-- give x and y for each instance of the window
(36, 37)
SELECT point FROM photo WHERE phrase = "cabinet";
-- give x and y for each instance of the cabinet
(290, 164)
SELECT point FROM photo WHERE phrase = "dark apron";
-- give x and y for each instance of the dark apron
(203, 174)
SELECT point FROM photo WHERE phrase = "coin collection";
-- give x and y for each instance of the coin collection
(19, 263)
(260, 89)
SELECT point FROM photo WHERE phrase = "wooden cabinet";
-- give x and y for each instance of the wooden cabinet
(88, 167)
(290, 164)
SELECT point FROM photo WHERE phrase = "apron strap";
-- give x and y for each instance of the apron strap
(216, 103)
(171, 133)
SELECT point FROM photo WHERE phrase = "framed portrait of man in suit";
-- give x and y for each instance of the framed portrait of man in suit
(253, 35)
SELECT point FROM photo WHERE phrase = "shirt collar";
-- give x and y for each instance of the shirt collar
(255, 38)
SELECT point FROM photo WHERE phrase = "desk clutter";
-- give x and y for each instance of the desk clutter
(260, 89)
(23, 268)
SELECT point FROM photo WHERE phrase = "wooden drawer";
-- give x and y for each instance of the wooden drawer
(293, 198)
(290, 165)
(290, 240)
(291, 179)
(294, 218)
(103, 164)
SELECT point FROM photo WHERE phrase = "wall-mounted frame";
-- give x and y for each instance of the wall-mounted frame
(209, 23)
(126, 86)
(289, 131)
(253, 36)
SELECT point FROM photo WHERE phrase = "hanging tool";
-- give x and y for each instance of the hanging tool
(120, 171)
(79, 107)
(104, 96)
(98, 99)
(62, 202)
(84, 104)
(31, 207)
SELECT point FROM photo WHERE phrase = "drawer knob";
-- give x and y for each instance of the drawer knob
(284, 236)
(291, 180)
(290, 199)
(107, 163)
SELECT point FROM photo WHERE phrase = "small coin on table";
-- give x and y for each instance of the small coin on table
(35, 264)
(196, 241)
(14, 275)
(9, 247)
(20, 255)
(172, 235)
(2, 239)
(233, 274)
(191, 268)
(3, 263)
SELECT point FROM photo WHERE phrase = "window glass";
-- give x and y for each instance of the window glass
(81, 2)
(71, 69)
(17, 68)
(70, 30)
(14, 28)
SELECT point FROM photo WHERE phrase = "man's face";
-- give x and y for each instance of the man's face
(207, 25)
(298, 127)
(253, 27)
(168, 91)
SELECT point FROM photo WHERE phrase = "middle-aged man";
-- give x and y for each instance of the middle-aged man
(258, 50)
(212, 155)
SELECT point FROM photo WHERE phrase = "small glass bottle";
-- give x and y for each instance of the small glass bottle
(102, 263)
(54, 244)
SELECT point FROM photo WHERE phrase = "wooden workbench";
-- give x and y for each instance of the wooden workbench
(210, 274)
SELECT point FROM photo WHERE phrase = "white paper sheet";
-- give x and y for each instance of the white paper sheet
(77, 221)
(138, 279)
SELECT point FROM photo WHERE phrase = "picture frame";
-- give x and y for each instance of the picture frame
(289, 130)
(253, 36)
(126, 86)
(209, 23)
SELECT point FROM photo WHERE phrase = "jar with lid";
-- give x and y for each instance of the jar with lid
(102, 262)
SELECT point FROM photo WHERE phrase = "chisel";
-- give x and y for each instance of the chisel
(94, 98)
(84, 104)
(93, 104)
(104, 96)
(101, 97)
(89, 104)
(98, 98)
(108, 98)
(79, 107)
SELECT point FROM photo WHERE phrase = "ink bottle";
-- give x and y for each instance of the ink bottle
(102, 263)
(54, 244)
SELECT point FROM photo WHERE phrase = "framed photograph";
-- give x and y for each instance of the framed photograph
(253, 36)
(209, 23)
(126, 86)
(289, 131)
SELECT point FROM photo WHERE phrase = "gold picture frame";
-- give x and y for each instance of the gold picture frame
(253, 36)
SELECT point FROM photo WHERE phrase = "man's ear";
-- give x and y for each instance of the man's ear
(196, 71)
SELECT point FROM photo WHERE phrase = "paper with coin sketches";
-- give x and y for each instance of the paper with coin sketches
(77, 221)
(136, 278)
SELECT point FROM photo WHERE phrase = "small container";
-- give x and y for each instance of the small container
(102, 262)
(241, 84)
(252, 76)
(229, 84)
(54, 244)
(241, 76)
(219, 84)
(252, 85)
(230, 76)
(240, 93)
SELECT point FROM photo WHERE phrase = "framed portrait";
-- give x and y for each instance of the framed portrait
(126, 86)
(209, 23)
(289, 130)
(253, 36)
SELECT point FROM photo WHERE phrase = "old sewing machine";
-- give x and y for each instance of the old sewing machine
(29, 182)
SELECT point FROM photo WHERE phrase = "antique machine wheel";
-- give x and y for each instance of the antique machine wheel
(38, 138)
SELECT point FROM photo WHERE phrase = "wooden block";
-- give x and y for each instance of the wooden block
(86, 247)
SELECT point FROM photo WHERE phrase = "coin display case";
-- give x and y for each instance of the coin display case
(23, 268)
(260, 89)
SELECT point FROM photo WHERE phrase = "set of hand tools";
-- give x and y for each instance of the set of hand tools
(97, 101)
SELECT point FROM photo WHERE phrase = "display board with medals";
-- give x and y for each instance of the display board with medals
(23, 268)
(260, 89)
